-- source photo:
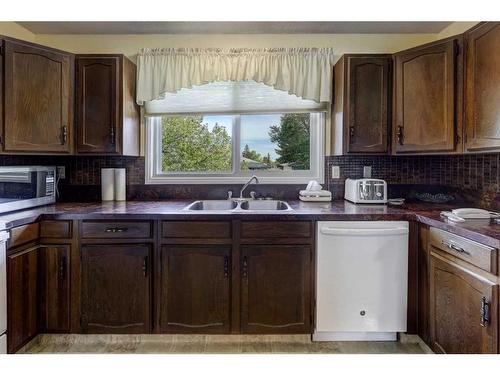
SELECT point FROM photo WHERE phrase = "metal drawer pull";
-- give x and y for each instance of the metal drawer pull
(145, 266)
(116, 230)
(485, 312)
(245, 268)
(452, 246)
(62, 268)
(226, 266)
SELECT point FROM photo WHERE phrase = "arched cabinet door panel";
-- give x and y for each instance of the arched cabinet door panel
(426, 115)
(463, 309)
(482, 104)
(38, 110)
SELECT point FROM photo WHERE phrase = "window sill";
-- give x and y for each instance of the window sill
(178, 180)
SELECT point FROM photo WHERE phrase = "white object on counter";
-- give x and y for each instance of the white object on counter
(120, 184)
(108, 184)
(350, 307)
(313, 185)
(315, 195)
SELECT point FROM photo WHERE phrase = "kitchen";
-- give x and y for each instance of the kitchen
(197, 187)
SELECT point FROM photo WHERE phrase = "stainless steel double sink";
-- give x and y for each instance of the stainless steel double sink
(239, 205)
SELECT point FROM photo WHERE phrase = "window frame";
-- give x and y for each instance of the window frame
(154, 174)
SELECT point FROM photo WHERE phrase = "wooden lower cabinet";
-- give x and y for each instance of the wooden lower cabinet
(276, 288)
(463, 309)
(22, 302)
(195, 284)
(115, 282)
(54, 288)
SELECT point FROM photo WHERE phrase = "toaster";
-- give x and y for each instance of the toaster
(366, 190)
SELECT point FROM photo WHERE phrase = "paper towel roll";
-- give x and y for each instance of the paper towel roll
(107, 184)
(120, 184)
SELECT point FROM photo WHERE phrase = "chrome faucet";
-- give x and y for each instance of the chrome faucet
(248, 183)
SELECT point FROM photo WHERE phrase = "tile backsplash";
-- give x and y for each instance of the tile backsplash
(472, 177)
(477, 172)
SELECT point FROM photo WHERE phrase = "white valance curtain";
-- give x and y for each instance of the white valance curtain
(304, 72)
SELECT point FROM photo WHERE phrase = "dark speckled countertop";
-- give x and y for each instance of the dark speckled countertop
(488, 234)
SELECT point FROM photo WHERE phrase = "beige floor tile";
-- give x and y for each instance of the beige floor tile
(209, 344)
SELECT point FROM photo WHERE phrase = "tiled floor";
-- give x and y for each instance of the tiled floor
(209, 344)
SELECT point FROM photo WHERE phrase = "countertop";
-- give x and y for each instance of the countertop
(480, 231)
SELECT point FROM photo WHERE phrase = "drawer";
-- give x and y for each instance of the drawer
(116, 229)
(196, 229)
(481, 256)
(55, 229)
(24, 234)
(275, 229)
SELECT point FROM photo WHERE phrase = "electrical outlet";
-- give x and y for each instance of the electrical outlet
(61, 171)
(335, 171)
(367, 171)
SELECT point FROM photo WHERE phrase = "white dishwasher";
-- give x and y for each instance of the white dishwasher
(361, 280)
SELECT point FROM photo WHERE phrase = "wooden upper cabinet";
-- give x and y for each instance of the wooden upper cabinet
(427, 98)
(195, 287)
(361, 104)
(463, 309)
(276, 289)
(107, 114)
(482, 104)
(38, 110)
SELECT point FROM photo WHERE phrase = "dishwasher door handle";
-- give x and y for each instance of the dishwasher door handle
(363, 231)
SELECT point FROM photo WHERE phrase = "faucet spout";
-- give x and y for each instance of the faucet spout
(248, 183)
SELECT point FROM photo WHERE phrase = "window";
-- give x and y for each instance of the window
(278, 147)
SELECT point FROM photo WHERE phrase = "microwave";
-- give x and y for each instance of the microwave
(26, 187)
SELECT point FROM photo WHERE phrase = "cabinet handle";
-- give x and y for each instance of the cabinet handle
(62, 268)
(116, 230)
(485, 312)
(400, 135)
(454, 247)
(245, 268)
(145, 266)
(351, 134)
(112, 134)
(64, 135)
(226, 266)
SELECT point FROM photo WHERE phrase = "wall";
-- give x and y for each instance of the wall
(455, 28)
(130, 44)
(471, 179)
(14, 30)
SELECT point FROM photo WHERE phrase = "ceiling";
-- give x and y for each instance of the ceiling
(333, 27)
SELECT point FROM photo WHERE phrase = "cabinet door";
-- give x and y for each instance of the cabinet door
(276, 289)
(115, 289)
(482, 103)
(195, 289)
(22, 296)
(54, 288)
(425, 99)
(97, 103)
(367, 104)
(38, 99)
(460, 301)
